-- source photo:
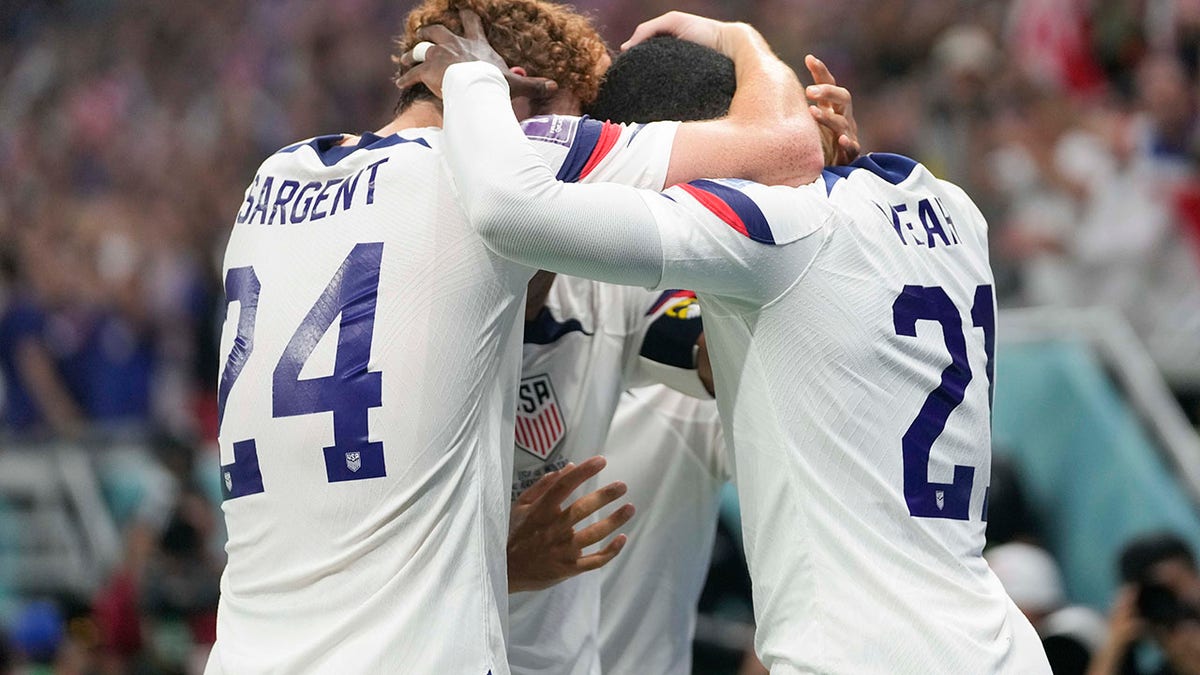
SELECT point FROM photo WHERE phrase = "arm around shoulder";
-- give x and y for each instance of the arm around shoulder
(769, 135)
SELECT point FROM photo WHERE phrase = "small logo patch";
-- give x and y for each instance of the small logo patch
(551, 129)
(940, 496)
(685, 308)
(353, 461)
(228, 481)
(540, 422)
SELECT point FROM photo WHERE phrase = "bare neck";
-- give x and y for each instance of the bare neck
(418, 115)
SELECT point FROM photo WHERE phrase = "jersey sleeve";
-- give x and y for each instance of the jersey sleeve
(661, 345)
(581, 149)
(738, 238)
(610, 232)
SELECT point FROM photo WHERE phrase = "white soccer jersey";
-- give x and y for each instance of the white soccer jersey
(669, 450)
(851, 331)
(580, 352)
(367, 409)
(850, 324)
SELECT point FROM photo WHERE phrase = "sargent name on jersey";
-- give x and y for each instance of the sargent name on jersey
(275, 200)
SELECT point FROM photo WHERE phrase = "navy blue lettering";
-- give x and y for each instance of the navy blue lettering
(264, 196)
(932, 225)
(897, 209)
(528, 405)
(280, 206)
(245, 212)
(948, 219)
(345, 193)
(317, 214)
(374, 168)
(892, 216)
(297, 216)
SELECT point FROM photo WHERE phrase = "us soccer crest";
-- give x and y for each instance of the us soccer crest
(540, 423)
(353, 461)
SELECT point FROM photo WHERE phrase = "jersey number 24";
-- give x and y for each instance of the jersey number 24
(347, 393)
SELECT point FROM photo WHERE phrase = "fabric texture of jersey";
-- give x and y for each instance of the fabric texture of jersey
(669, 450)
(852, 361)
(855, 371)
(365, 575)
(580, 352)
(328, 572)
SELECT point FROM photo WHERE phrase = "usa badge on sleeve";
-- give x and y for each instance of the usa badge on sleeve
(540, 423)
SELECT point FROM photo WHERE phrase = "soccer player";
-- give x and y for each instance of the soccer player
(584, 343)
(849, 316)
(668, 448)
(371, 368)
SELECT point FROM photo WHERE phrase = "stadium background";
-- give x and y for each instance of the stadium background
(129, 129)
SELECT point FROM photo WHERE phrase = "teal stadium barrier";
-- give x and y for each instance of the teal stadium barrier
(8, 547)
(1093, 471)
(1103, 451)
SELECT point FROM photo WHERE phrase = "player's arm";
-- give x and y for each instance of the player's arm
(768, 135)
(664, 344)
(543, 546)
(710, 237)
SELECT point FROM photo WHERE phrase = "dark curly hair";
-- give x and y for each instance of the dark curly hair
(545, 38)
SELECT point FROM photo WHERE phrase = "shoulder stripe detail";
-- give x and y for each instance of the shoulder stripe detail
(732, 206)
(587, 137)
(894, 169)
(609, 135)
(330, 152)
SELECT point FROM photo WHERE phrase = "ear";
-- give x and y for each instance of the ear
(518, 70)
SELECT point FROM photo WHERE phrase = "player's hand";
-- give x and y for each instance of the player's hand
(834, 113)
(543, 546)
(719, 35)
(449, 49)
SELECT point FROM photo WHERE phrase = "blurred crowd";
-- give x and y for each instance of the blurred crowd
(129, 130)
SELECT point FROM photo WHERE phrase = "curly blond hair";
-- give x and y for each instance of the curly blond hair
(545, 38)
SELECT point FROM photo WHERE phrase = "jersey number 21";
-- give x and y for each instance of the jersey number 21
(932, 303)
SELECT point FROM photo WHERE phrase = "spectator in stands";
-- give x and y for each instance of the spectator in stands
(37, 399)
(1070, 633)
(1010, 515)
(1160, 600)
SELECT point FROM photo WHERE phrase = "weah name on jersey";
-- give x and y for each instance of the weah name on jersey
(919, 225)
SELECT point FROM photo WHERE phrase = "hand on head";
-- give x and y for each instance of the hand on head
(445, 49)
(703, 31)
(834, 114)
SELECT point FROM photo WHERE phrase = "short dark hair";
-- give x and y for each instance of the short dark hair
(665, 78)
(1142, 553)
